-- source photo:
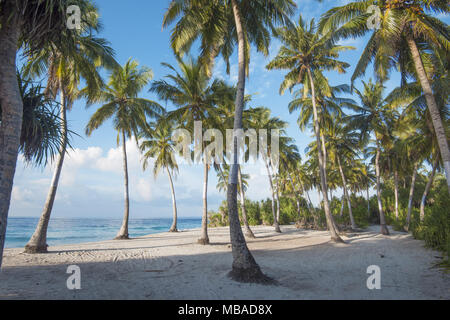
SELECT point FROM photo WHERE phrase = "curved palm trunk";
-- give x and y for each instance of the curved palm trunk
(248, 232)
(123, 232)
(244, 266)
(396, 193)
(11, 123)
(349, 204)
(173, 228)
(275, 220)
(384, 229)
(205, 239)
(38, 241)
(322, 169)
(432, 107)
(411, 194)
(427, 189)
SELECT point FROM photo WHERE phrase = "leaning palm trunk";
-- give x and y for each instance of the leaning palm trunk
(275, 220)
(173, 228)
(248, 231)
(349, 204)
(384, 229)
(205, 239)
(396, 193)
(432, 107)
(322, 170)
(11, 124)
(427, 189)
(123, 232)
(244, 266)
(411, 195)
(38, 241)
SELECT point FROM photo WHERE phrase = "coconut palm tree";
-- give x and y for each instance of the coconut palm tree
(306, 53)
(342, 142)
(225, 121)
(290, 158)
(64, 74)
(157, 144)
(262, 119)
(36, 24)
(406, 29)
(195, 97)
(374, 116)
(128, 112)
(220, 25)
(411, 96)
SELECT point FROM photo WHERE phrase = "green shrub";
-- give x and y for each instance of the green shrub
(435, 229)
(266, 212)
(253, 213)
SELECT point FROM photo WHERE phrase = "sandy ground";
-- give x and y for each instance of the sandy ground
(172, 266)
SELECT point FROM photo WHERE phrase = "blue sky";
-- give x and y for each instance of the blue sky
(92, 178)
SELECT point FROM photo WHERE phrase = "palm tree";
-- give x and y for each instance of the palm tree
(64, 73)
(306, 53)
(406, 29)
(129, 114)
(225, 121)
(290, 158)
(158, 144)
(411, 96)
(373, 117)
(261, 119)
(195, 98)
(35, 23)
(343, 143)
(220, 24)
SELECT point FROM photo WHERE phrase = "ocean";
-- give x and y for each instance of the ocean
(79, 230)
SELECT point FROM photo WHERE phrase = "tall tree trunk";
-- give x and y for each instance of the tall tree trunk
(432, 107)
(275, 220)
(12, 112)
(427, 189)
(205, 239)
(368, 201)
(244, 266)
(248, 231)
(384, 229)
(38, 241)
(277, 192)
(173, 228)
(322, 169)
(396, 192)
(411, 195)
(341, 213)
(123, 232)
(277, 199)
(349, 204)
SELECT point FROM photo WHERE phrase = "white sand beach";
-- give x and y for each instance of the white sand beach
(172, 266)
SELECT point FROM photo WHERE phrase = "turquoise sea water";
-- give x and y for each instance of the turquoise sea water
(69, 231)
